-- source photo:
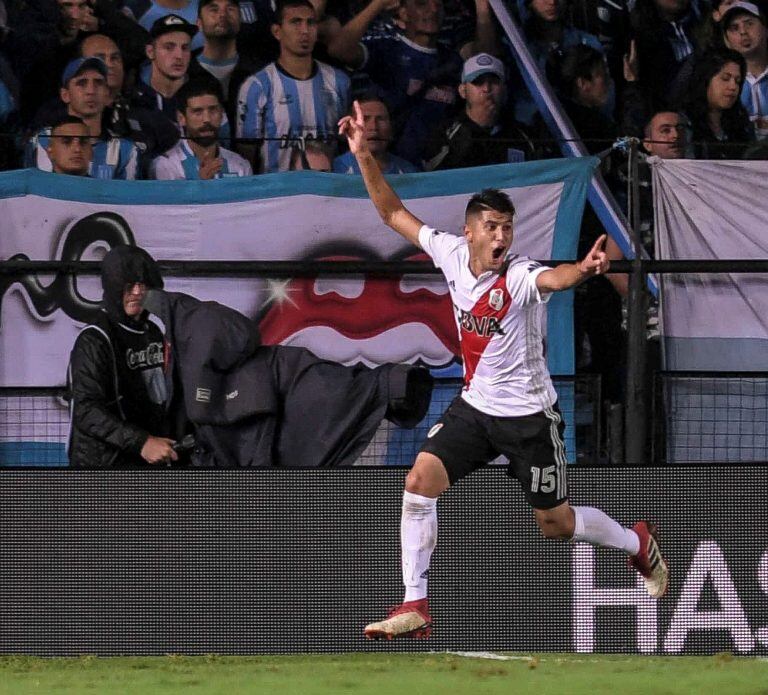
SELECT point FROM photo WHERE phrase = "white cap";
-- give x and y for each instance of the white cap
(481, 64)
(740, 6)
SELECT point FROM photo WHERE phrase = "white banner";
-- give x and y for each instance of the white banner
(295, 216)
(714, 210)
(708, 210)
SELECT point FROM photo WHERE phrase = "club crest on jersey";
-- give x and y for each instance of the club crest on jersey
(496, 299)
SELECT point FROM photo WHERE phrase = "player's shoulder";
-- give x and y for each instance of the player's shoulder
(517, 262)
(440, 239)
(440, 234)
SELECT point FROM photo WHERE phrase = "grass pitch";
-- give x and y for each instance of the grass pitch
(386, 674)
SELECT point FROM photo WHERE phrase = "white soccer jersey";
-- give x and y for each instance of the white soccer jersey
(499, 318)
(281, 109)
(180, 163)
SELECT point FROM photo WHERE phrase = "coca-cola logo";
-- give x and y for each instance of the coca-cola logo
(151, 356)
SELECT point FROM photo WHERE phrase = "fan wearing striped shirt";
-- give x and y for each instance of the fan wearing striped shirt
(198, 155)
(292, 98)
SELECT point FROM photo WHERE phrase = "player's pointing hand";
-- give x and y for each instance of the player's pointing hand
(353, 128)
(596, 262)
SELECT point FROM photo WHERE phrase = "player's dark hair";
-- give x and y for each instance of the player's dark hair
(489, 199)
(200, 87)
(67, 120)
(283, 5)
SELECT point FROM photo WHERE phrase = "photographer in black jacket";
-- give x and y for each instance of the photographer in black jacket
(119, 406)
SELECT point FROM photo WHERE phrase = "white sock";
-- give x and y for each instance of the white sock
(418, 536)
(597, 528)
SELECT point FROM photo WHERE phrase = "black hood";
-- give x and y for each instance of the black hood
(125, 265)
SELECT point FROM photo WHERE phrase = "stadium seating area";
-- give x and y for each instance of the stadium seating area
(614, 66)
(206, 89)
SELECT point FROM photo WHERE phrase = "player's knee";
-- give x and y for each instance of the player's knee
(427, 477)
(420, 483)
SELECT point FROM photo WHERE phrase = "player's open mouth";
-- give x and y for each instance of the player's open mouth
(498, 252)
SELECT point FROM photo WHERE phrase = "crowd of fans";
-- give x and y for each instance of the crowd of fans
(212, 88)
(204, 89)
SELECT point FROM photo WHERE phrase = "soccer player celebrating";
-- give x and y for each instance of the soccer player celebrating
(507, 405)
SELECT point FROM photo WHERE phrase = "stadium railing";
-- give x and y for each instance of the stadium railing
(34, 424)
(42, 412)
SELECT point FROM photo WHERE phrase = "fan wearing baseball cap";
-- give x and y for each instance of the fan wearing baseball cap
(148, 12)
(744, 31)
(480, 134)
(85, 95)
(169, 53)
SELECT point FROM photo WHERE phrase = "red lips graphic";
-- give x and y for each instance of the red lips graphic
(381, 306)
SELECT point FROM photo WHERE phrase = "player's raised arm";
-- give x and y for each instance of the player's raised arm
(387, 202)
(569, 275)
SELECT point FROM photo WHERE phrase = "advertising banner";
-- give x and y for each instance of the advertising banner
(276, 561)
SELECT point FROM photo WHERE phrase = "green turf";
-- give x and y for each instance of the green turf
(390, 674)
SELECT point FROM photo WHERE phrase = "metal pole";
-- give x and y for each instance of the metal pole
(636, 412)
(599, 195)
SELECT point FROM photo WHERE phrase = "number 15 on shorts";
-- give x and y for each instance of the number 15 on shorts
(543, 479)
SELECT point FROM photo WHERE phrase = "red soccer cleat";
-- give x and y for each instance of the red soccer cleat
(409, 619)
(649, 561)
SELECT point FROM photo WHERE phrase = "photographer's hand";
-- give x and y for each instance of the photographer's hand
(158, 450)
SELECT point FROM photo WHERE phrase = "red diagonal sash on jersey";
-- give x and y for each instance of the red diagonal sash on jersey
(479, 325)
